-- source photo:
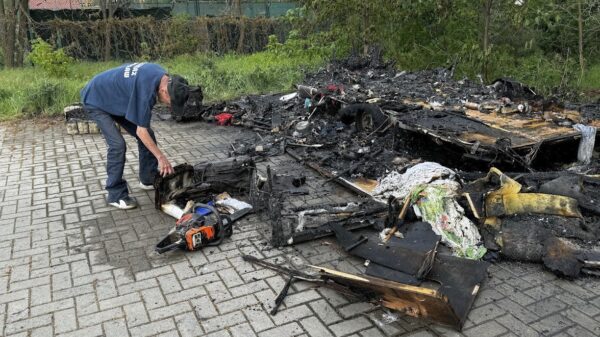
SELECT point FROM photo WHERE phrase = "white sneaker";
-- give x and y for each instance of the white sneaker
(126, 203)
(146, 187)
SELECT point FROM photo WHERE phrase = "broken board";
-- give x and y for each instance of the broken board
(420, 302)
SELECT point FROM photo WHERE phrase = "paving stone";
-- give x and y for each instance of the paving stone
(349, 326)
(223, 321)
(334, 298)
(521, 313)
(421, 333)
(258, 318)
(65, 321)
(373, 332)
(552, 324)
(230, 277)
(485, 313)
(188, 326)
(119, 301)
(546, 307)
(302, 297)
(135, 314)
(17, 311)
(115, 328)
(222, 333)
(242, 330)
(248, 288)
(153, 328)
(512, 323)
(99, 317)
(185, 295)
(578, 331)
(44, 331)
(218, 292)
(204, 307)
(28, 324)
(86, 304)
(314, 327)
(290, 329)
(237, 303)
(153, 298)
(445, 331)
(325, 311)
(583, 320)
(488, 329)
(355, 309)
(91, 331)
(169, 284)
(389, 328)
(183, 270)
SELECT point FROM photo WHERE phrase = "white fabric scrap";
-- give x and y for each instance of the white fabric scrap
(436, 205)
(400, 185)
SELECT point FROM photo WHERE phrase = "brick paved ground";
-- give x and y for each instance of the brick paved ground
(71, 266)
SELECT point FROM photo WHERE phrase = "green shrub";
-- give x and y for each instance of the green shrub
(297, 46)
(42, 98)
(4, 94)
(54, 62)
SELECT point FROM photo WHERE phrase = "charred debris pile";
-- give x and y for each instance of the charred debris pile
(455, 174)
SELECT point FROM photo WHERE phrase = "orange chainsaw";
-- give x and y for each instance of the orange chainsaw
(194, 231)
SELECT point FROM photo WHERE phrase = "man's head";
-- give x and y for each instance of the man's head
(173, 91)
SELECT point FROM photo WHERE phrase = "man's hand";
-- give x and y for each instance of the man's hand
(164, 167)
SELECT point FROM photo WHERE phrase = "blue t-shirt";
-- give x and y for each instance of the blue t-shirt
(128, 90)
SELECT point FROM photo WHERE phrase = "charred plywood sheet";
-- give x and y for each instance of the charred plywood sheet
(526, 131)
(476, 128)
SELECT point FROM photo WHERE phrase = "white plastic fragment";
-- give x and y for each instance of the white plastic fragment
(288, 97)
(586, 144)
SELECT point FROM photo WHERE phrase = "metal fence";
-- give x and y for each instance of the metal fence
(249, 8)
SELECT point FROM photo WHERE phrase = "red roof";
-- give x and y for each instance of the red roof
(54, 4)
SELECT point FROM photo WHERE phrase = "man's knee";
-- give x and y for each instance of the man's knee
(117, 145)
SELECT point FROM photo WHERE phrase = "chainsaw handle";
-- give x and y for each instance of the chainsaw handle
(219, 222)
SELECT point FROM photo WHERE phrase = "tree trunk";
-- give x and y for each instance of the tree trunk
(580, 22)
(2, 26)
(487, 18)
(21, 36)
(105, 8)
(236, 8)
(242, 25)
(106, 40)
(9, 49)
(366, 28)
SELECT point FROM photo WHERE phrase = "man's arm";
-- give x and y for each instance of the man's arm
(164, 166)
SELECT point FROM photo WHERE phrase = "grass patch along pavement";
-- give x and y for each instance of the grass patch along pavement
(29, 91)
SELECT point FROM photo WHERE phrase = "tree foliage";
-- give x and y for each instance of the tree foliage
(476, 36)
(54, 62)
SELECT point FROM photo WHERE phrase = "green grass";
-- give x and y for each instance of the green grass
(591, 81)
(21, 89)
(30, 91)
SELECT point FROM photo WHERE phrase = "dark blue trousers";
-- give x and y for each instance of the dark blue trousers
(115, 184)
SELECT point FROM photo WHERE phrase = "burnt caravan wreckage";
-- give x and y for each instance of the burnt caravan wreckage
(417, 147)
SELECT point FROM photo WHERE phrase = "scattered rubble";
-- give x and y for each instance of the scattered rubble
(416, 146)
